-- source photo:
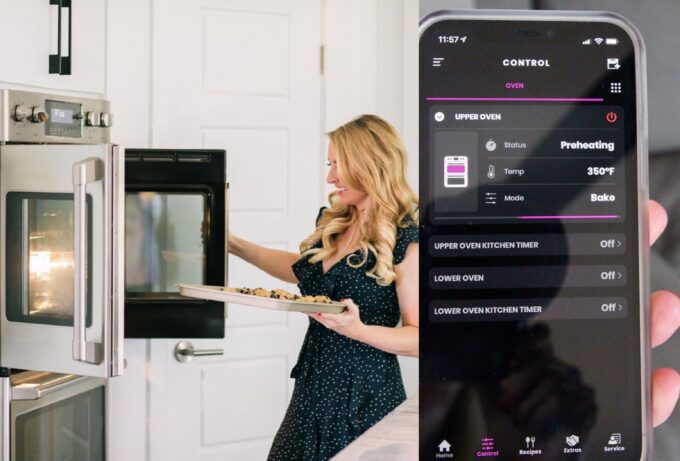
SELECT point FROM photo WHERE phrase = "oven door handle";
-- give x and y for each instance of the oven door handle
(84, 172)
(54, 382)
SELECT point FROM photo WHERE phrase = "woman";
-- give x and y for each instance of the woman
(363, 252)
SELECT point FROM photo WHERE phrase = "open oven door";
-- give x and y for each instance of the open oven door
(62, 240)
(175, 225)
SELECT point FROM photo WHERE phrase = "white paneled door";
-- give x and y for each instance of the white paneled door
(241, 76)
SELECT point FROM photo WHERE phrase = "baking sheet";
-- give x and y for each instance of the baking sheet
(216, 293)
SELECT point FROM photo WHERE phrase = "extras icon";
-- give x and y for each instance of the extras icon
(573, 440)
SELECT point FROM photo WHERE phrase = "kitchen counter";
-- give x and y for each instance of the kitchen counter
(395, 437)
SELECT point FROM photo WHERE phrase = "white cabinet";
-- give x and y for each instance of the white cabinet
(29, 31)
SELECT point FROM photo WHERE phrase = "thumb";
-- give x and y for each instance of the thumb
(350, 305)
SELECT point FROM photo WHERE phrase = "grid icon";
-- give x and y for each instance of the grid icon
(615, 87)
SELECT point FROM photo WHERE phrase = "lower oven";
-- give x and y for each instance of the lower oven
(53, 416)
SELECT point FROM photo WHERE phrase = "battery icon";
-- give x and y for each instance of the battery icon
(611, 41)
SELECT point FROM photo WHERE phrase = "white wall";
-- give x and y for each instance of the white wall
(372, 67)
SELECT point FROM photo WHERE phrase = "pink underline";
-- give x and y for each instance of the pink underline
(609, 216)
(520, 99)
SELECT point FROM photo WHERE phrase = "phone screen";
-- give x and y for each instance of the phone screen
(530, 281)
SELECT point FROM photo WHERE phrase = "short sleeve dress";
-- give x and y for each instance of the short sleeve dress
(342, 386)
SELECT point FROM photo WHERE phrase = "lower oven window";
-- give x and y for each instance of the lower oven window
(72, 429)
(40, 258)
(165, 241)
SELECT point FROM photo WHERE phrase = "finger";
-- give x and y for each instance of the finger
(350, 304)
(665, 392)
(352, 309)
(665, 310)
(316, 316)
(657, 220)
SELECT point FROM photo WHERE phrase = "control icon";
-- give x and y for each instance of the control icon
(488, 448)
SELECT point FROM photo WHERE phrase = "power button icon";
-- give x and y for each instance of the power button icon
(611, 117)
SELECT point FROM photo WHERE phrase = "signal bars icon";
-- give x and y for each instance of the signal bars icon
(599, 41)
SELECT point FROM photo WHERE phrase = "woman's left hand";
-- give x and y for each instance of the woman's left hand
(346, 323)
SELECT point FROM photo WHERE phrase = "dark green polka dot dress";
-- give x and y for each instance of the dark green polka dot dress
(342, 386)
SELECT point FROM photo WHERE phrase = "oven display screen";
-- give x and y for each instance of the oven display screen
(61, 115)
(64, 119)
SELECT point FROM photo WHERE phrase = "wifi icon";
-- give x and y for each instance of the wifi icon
(598, 40)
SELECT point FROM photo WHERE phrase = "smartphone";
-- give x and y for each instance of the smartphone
(534, 320)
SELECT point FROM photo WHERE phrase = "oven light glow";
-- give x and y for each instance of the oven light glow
(43, 263)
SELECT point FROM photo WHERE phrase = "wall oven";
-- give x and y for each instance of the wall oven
(67, 296)
(175, 207)
(62, 186)
(64, 290)
(53, 416)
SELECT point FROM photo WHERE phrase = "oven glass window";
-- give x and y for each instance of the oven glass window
(71, 429)
(165, 241)
(40, 258)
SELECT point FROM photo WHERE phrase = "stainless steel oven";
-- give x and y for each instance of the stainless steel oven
(63, 282)
(62, 186)
(52, 416)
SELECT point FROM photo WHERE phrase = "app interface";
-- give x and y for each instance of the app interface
(529, 273)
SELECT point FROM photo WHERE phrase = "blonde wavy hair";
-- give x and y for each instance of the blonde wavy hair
(371, 158)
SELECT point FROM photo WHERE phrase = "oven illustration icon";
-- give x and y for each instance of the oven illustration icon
(456, 171)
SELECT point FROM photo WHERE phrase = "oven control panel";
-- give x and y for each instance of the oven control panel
(29, 117)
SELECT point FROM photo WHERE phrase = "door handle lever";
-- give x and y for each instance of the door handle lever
(184, 351)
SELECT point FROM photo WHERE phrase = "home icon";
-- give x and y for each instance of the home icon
(444, 447)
